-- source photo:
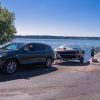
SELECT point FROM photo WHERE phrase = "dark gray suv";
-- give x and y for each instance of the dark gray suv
(14, 54)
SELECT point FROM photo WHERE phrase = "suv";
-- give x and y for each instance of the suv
(14, 54)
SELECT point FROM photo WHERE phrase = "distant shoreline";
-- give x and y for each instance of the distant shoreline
(55, 37)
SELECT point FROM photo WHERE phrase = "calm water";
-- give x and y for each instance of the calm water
(85, 44)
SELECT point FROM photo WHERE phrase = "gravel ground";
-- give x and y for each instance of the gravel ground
(65, 81)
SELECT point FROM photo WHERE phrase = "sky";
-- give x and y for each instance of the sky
(56, 17)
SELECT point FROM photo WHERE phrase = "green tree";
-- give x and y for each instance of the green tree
(7, 27)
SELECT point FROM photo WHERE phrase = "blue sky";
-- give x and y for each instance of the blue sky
(56, 17)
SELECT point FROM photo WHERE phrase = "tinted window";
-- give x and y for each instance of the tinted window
(38, 47)
(49, 48)
(28, 47)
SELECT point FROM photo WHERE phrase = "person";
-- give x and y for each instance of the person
(81, 53)
(30, 47)
(92, 52)
(81, 56)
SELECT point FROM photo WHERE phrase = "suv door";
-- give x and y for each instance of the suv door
(39, 52)
(26, 54)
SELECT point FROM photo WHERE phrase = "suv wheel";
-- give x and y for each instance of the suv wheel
(48, 63)
(10, 67)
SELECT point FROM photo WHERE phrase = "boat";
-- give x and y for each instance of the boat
(70, 52)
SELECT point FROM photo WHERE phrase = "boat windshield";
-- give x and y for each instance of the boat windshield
(76, 47)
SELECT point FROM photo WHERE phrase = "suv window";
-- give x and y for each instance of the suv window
(28, 47)
(38, 47)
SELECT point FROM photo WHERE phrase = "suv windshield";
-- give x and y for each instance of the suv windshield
(12, 46)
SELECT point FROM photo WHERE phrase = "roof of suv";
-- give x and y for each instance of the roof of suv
(25, 43)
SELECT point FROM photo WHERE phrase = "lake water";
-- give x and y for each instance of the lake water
(85, 44)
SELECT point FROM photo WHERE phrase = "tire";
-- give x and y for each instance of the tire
(48, 63)
(10, 67)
